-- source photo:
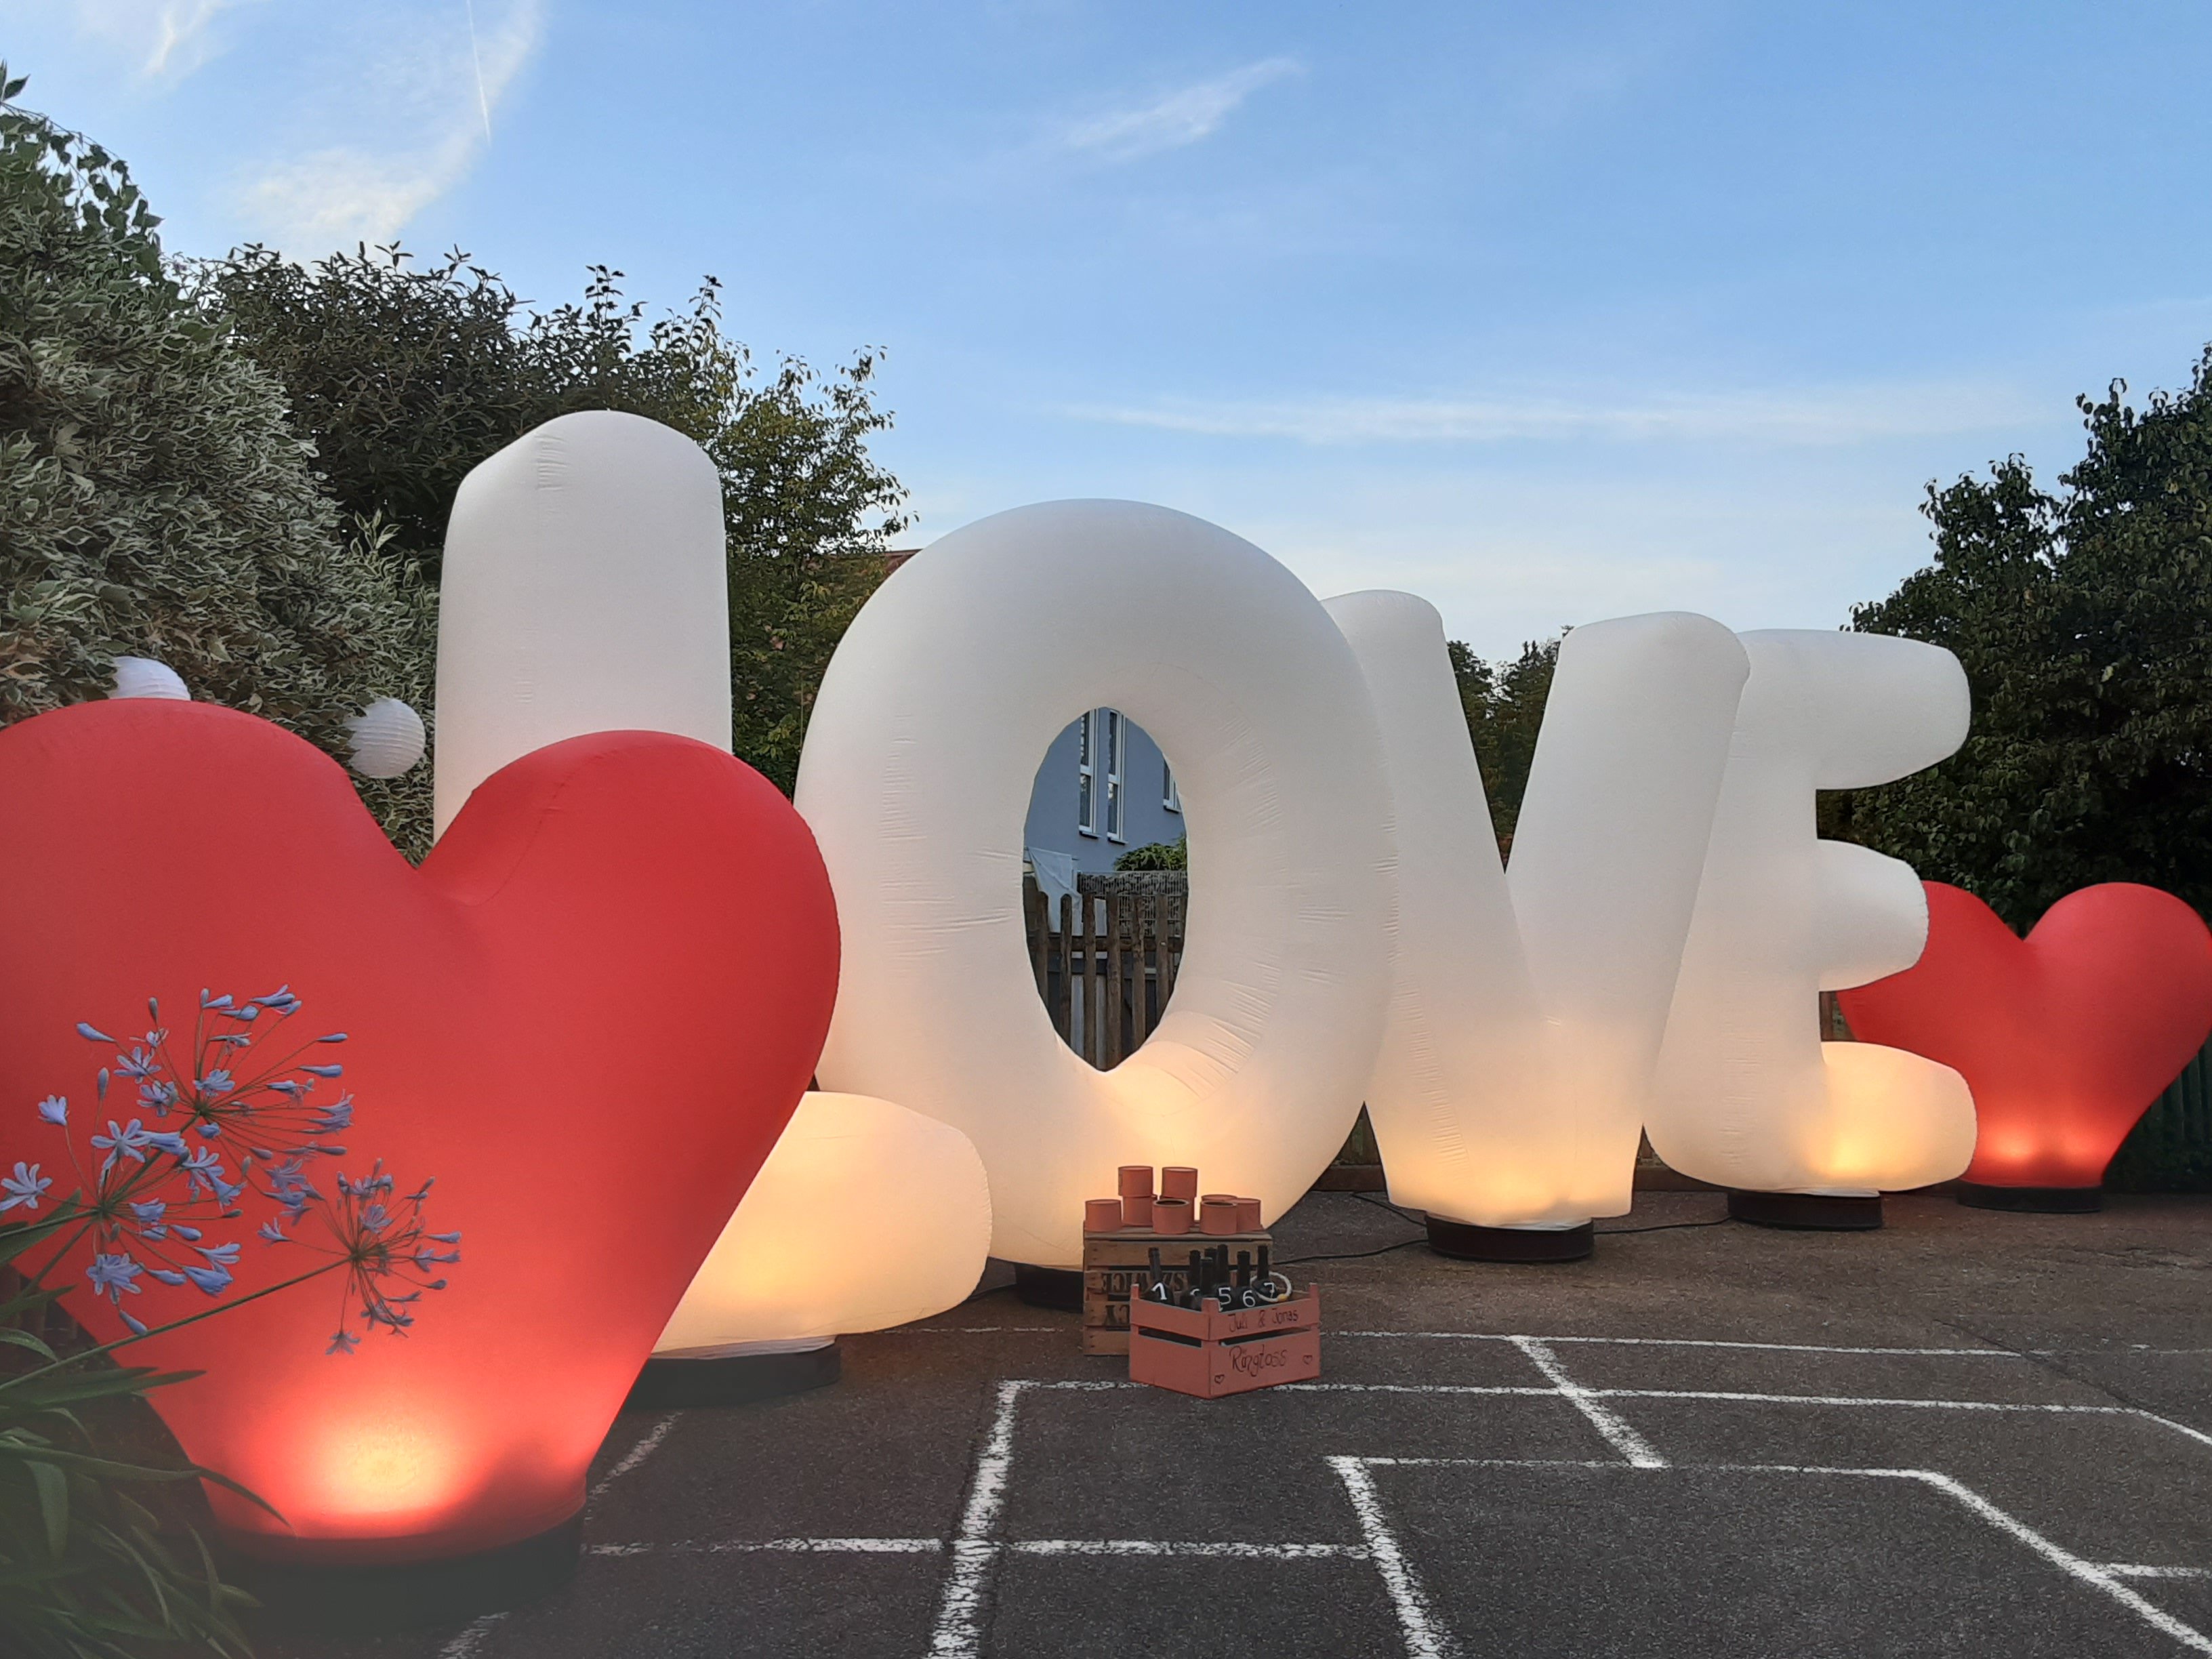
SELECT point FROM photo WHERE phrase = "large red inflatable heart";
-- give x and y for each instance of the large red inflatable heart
(2065, 1037)
(588, 1016)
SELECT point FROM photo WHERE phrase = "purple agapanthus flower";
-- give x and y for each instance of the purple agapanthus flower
(119, 1142)
(25, 1187)
(337, 1116)
(255, 1119)
(111, 1275)
(202, 1169)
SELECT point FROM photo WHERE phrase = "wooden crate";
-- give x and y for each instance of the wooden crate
(1212, 1354)
(1112, 1262)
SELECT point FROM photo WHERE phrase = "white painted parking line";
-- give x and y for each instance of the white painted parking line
(1191, 1548)
(1684, 1342)
(1425, 1637)
(1525, 1389)
(958, 1633)
(775, 1546)
(2137, 1570)
(1731, 1396)
(1622, 1438)
(648, 1443)
(2098, 1577)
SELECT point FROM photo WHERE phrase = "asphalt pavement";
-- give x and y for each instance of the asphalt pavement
(1969, 1433)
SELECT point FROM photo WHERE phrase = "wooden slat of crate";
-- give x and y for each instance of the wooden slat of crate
(1212, 1354)
(1112, 1261)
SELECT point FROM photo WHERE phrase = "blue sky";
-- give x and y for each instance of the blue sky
(1547, 313)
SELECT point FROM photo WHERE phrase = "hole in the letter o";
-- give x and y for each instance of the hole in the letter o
(1105, 885)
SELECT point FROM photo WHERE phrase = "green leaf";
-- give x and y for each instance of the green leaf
(53, 1504)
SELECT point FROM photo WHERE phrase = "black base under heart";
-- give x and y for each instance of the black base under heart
(408, 1595)
(2032, 1200)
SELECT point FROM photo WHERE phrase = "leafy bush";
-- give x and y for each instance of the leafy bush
(2083, 616)
(1158, 855)
(153, 501)
(407, 376)
(1504, 702)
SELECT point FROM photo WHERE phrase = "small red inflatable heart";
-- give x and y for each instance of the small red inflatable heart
(588, 1016)
(2067, 1036)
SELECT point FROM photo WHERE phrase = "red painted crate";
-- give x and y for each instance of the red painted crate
(1213, 1354)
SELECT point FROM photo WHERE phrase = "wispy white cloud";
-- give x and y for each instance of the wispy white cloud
(1816, 416)
(165, 39)
(425, 91)
(1181, 117)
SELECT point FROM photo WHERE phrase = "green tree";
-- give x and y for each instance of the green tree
(2083, 618)
(153, 501)
(1505, 706)
(407, 376)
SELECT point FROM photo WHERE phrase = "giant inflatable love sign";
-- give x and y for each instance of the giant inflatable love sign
(1528, 1005)
(916, 777)
(1748, 1096)
(2065, 1036)
(587, 1014)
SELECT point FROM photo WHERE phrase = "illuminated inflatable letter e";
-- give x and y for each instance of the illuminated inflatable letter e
(1749, 1097)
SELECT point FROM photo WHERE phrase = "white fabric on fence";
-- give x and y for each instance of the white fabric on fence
(1056, 879)
(916, 778)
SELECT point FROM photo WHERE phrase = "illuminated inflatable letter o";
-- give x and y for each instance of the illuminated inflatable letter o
(916, 779)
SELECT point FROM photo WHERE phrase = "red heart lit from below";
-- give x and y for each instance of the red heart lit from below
(588, 1016)
(2065, 1037)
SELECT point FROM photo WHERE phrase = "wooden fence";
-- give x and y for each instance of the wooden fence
(1109, 967)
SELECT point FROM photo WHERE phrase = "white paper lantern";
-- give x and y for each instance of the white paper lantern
(586, 589)
(388, 739)
(142, 677)
(916, 778)
(1749, 1097)
(1527, 1006)
(866, 1215)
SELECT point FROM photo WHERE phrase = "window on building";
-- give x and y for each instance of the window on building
(1086, 791)
(1171, 797)
(1117, 758)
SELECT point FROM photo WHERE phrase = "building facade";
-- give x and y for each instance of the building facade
(1104, 789)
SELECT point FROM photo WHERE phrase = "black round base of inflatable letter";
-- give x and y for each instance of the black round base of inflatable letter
(2032, 1200)
(670, 1384)
(1823, 1212)
(1462, 1241)
(382, 1597)
(1061, 1288)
